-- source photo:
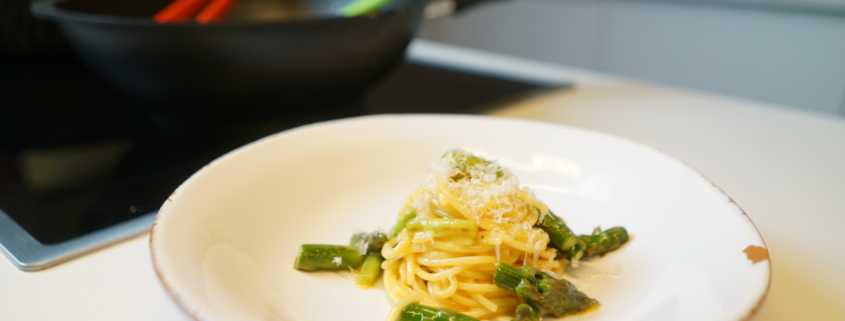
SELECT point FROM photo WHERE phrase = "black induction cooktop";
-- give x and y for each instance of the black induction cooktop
(82, 165)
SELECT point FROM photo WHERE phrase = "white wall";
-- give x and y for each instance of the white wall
(787, 57)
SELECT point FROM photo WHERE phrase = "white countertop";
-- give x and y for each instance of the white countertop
(784, 167)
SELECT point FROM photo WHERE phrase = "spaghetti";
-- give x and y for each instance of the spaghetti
(456, 271)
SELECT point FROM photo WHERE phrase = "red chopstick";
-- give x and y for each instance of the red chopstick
(215, 11)
(179, 11)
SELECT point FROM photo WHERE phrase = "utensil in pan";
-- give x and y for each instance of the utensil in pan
(266, 52)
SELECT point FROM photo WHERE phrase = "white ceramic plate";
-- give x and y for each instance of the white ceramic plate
(224, 243)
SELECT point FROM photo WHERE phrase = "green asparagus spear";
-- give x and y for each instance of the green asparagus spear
(419, 312)
(369, 272)
(576, 247)
(313, 257)
(443, 227)
(545, 294)
(400, 224)
(570, 245)
(600, 242)
(466, 162)
(368, 243)
(359, 7)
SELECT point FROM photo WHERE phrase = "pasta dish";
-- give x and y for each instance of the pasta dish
(470, 243)
(457, 272)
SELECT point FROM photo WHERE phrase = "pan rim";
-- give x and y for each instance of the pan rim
(49, 10)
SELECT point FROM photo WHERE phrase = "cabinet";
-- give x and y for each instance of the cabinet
(787, 53)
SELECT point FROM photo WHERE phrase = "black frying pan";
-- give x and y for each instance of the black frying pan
(278, 52)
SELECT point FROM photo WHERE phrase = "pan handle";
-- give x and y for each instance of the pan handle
(441, 8)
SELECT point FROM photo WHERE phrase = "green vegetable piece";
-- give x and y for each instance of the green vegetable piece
(410, 214)
(359, 7)
(525, 312)
(419, 312)
(443, 227)
(542, 292)
(575, 247)
(369, 272)
(562, 238)
(368, 243)
(465, 162)
(313, 257)
(600, 243)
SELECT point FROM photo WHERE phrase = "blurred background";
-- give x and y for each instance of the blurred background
(787, 52)
(96, 113)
